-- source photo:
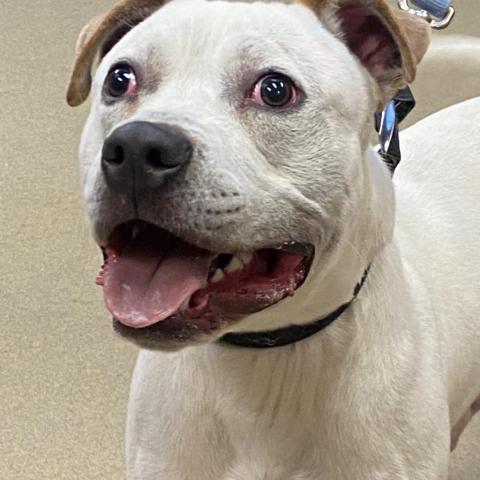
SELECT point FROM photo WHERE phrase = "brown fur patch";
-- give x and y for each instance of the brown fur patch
(411, 34)
(93, 36)
(315, 5)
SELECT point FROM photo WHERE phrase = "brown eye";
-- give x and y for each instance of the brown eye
(121, 81)
(276, 90)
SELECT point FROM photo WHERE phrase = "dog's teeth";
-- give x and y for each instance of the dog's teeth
(184, 305)
(234, 265)
(245, 258)
(218, 275)
(135, 231)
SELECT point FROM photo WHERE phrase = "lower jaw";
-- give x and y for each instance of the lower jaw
(208, 323)
(180, 330)
(175, 333)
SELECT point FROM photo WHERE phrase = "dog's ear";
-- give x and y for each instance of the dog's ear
(388, 42)
(99, 36)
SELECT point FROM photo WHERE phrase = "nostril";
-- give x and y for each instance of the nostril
(154, 158)
(116, 156)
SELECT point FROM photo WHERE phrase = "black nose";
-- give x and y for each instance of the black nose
(138, 157)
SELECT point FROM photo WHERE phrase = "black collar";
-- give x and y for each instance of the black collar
(294, 333)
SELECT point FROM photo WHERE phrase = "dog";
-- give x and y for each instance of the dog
(301, 314)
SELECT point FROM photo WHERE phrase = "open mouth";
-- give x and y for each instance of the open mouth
(151, 277)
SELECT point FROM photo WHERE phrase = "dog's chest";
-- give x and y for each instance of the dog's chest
(268, 451)
(221, 427)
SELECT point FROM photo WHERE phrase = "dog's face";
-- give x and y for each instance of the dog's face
(223, 159)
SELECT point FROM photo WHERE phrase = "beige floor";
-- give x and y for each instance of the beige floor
(63, 375)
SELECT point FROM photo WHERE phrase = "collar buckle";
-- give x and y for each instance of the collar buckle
(438, 13)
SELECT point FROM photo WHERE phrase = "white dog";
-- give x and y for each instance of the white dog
(228, 178)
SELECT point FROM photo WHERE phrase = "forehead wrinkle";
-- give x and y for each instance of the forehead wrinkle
(179, 42)
(266, 54)
(271, 36)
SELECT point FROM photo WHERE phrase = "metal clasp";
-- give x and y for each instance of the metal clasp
(388, 123)
(434, 22)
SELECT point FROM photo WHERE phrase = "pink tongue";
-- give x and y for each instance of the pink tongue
(152, 277)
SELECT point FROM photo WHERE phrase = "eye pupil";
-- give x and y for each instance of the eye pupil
(276, 90)
(119, 79)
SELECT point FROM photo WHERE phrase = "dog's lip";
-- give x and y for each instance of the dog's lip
(303, 249)
(299, 248)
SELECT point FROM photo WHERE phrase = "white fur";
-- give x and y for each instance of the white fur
(375, 395)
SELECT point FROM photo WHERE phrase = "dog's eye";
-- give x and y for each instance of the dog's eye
(274, 90)
(121, 81)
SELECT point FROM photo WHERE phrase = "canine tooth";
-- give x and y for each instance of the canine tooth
(135, 231)
(234, 265)
(218, 275)
(245, 258)
(184, 305)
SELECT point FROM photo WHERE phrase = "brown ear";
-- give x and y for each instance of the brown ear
(99, 36)
(388, 42)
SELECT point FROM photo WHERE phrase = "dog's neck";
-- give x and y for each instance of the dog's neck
(370, 230)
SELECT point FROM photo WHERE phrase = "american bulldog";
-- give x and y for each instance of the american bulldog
(301, 315)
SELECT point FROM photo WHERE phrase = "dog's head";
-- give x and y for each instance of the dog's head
(224, 160)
